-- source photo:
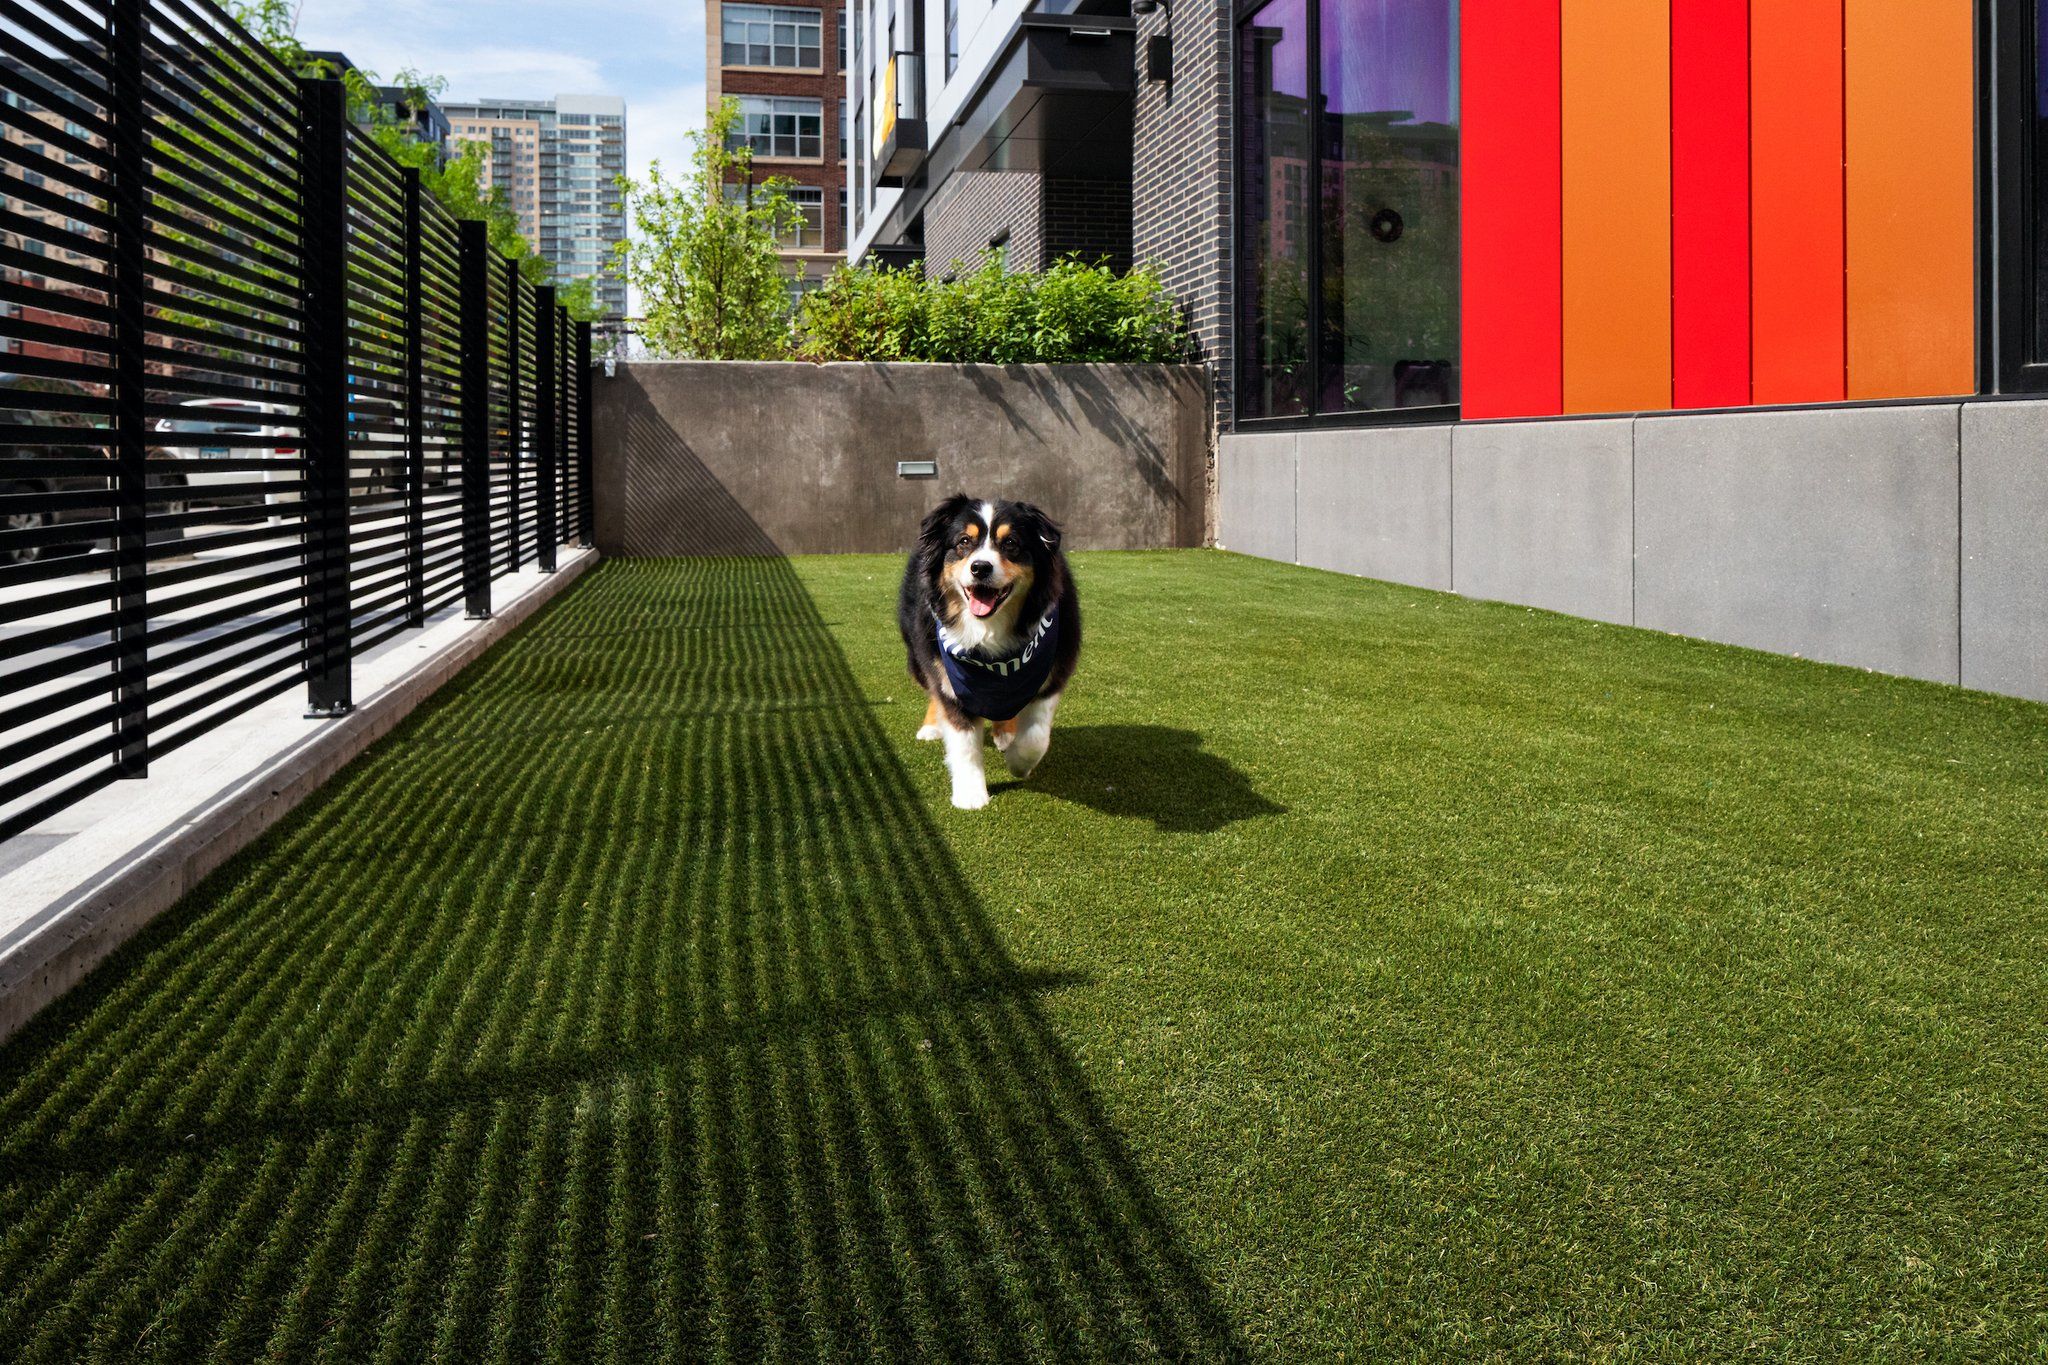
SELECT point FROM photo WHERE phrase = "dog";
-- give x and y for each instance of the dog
(992, 624)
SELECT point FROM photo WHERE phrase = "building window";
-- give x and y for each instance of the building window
(842, 130)
(799, 285)
(810, 202)
(780, 127)
(765, 35)
(840, 24)
(952, 37)
(2021, 219)
(1348, 217)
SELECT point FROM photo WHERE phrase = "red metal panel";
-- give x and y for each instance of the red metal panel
(1796, 247)
(1709, 203)
(1513, 209)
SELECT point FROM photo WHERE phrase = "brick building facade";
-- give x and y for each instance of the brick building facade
(785, 64)
(1035, 219)
(1181, 201)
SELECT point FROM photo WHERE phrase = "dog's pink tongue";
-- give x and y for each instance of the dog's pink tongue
(979, 605)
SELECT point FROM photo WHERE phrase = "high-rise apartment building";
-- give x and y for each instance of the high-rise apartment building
(559, 162)
(785, 64)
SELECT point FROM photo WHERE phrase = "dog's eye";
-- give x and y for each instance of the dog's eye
(964, 544)
(1011, 548)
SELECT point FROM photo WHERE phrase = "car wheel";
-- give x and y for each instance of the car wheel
(21, 521)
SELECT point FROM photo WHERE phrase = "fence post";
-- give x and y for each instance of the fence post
(323, 238)
(544, 419)
(586, 466)
(130, 205)
(565, 400)
(476, 419)
(515, 403)
(415, 412)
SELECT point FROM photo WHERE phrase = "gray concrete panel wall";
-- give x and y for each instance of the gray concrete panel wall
(1904, 538)
(1826, 533)
(1540, 515)
(703, 457)
(1376, 503)
(2005, 548)
(1255, 511)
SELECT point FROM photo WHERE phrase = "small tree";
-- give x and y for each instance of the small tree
(703, 252)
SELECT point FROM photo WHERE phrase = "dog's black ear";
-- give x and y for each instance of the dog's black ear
(1044, 527)
(938, 525)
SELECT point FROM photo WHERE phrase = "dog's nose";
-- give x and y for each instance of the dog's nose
(981, 569)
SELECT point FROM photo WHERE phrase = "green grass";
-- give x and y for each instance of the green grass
(1366, 973)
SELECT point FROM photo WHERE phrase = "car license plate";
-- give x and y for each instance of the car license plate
(214, 452)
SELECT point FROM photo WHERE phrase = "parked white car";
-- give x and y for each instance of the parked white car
(185, 438)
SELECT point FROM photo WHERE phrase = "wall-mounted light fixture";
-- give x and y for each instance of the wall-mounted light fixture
(1159, 47)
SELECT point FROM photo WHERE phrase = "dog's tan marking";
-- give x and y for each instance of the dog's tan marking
(1007, 729)
(931, 711)
(1002, 532)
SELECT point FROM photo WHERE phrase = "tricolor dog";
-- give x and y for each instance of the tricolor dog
(993, 626)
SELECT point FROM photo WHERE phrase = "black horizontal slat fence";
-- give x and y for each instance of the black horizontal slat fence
(264, 404)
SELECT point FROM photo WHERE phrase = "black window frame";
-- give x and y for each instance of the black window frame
(2006, 57)
(1241, 12)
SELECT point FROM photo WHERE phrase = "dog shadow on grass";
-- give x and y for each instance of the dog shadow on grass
(1149, 772)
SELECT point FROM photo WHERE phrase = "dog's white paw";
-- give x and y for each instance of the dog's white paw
(929, 732)
(970, 798)
(1022, 761)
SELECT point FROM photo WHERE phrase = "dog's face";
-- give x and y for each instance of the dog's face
(983, 558)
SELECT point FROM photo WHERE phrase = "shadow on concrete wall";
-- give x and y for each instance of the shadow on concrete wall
(1082, 387)
(810, 453)
(671, 503)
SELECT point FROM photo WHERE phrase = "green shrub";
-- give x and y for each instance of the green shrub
(1072, 313)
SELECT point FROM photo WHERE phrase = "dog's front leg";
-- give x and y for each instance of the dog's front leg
(963, 761)
(1033, 737)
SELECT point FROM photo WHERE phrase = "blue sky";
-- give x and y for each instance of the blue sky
(649, 51)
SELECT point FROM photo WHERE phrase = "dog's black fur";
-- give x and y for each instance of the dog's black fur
(1032, 543)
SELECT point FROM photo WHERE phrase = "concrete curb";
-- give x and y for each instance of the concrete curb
(79, 928)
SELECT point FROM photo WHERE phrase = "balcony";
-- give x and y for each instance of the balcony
(900, 141)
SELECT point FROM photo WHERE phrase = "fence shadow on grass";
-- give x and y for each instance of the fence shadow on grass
(626, 1003)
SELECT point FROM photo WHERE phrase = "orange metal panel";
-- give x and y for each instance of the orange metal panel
(1909, 123)
(1795, 167)
(1616, 82)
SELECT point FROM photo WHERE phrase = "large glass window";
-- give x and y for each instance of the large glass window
(1348, 291)
(2036, 207)
(780, 127)
(1273, 235)
(769, 35)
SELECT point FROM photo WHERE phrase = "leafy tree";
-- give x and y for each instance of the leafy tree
(456, 180)
(704, 254)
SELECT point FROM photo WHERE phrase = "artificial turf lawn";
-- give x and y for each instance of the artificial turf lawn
(1366, 972)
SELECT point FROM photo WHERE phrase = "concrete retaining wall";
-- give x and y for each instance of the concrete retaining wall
(1906, 539)
(698, 457)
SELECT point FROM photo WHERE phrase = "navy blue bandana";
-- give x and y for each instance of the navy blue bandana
(997, 689)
